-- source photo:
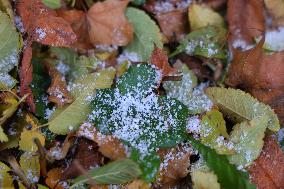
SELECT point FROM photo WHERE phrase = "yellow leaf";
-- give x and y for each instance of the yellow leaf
(200, 16)
(204, 180)
(27, 140)
(31, 167)
(6, 180)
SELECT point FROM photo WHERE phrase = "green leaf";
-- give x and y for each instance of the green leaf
(201, 16)
(247, 138)
(118, 172)
(136, 115)
(138, 2)
(194, 98)
(53, 4)
(240, 106)
(207, 42)
(69, 118)
(213, 130)
(228, 176)
(9, 49)
(146, 33)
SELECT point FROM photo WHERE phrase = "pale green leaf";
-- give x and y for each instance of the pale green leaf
(9, 49)
(69, 118)
(247, 138)
(146, 33)
(53, 4)
(240, 106)
(213, 130)
(30, 165)
(201, 16)
(118, 172)
(6, 180)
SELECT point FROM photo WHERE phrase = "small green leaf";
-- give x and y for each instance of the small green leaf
(213, 130)
(146, 34)
(240, 106)
(228, 176)
(207, 42)
(118, 172)
(9, 48)
(247, 138)
(53, 4)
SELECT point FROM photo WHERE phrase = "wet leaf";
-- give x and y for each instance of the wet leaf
(241, 106)
(117, 172)
(144, 37)
(108, 24)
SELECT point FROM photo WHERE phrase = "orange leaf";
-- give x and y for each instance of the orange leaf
(267, 172)
(57, 90)
(53, 179)
(159, 58)
(108, 24)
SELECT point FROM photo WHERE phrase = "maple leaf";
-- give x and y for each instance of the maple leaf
(108, 24)
(159, 58)
(267, 172)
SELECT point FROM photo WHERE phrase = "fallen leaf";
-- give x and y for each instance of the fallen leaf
(57, 90)
(54, 177)
(174, 165)
(268, 170)
(108, 24)
(159, 59)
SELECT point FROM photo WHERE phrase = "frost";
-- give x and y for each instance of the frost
(41, 34)
(62, 68)
(274, 39)
(106, 48)
(239, 43)
(193, 125)
(128, 56)
(48, 112)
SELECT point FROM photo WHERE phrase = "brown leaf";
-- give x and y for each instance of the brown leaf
(246, 20)
(174, 165)
(54, 177)
(26, 71)
(108, 24)
(87, 155)
(267, 172)
(43, 25)
(159, 58)
(109, 146)
(174, 24)
(57, 90)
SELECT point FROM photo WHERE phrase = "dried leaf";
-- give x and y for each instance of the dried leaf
(57, 90)
(159, 58)
(174, 165)
(26, 142)
(31, 167)
(268, 170)
(108, 24)
(201, 16)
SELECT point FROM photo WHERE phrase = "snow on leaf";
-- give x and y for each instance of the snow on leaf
(144, 37)
(201, 16)
(117, 172)
(9, 49)
(30, 165)
(240, 106)
(108, 24)
(228, 175)
(212, 132)
(26, 142)
(6, 180)
(70, 117)
(247, 138)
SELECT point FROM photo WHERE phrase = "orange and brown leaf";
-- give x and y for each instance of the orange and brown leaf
(57, 90)
(267, 172)
(54, 177)
(159, 59)
(108, 24)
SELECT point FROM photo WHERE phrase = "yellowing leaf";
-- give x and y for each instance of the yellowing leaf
(213, 130)
(70, 117)
(27, 140)
(6, 180)
(144, 37)
(248, 140)
(31, 167)
(240, 106)
(200, 16)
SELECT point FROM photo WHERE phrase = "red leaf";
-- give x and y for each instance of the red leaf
(159, 58)
(267, 172)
